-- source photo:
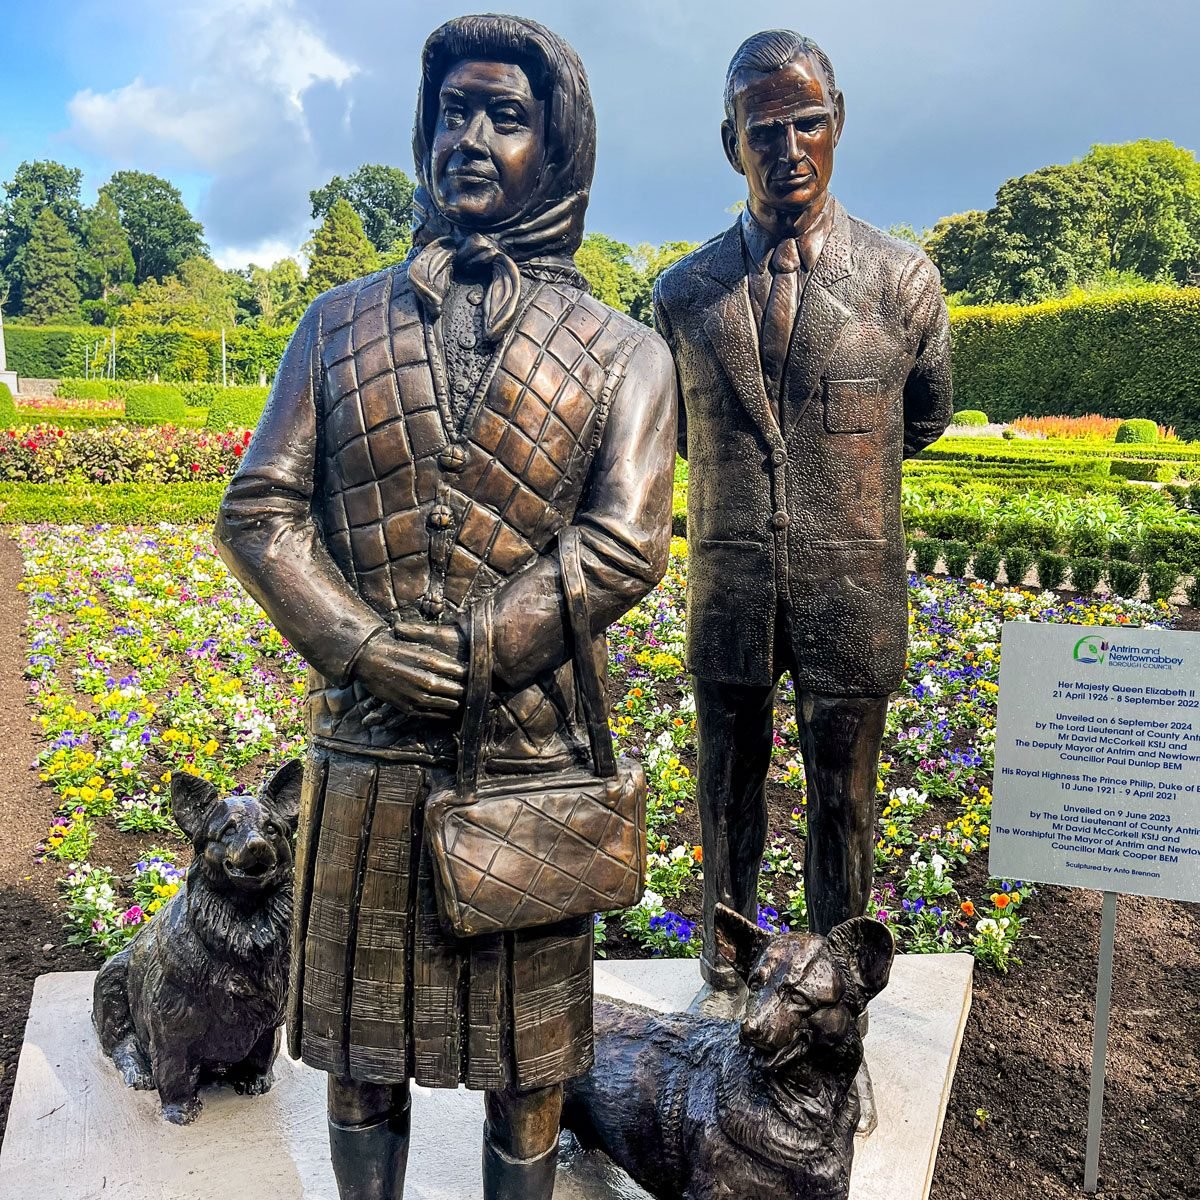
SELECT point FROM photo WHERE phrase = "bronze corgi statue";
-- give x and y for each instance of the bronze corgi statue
(699, 1108)
(201, 990)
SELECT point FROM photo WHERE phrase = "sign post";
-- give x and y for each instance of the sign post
(1097, 781)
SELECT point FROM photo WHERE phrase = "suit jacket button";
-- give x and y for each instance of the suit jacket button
(780, 520)
(778, 457)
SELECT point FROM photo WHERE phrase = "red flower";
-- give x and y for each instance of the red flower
(237, 450)
(195, 466)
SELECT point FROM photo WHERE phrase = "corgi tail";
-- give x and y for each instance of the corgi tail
(110, 1002)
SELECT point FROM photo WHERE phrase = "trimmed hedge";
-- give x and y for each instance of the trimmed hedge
(92, 389)
(1137, 430)
(144, 351)
(117, 503)
(1123, 354)
(236, 408)
(969, 416)
(154, 404)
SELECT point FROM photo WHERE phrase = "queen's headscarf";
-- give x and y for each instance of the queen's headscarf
(541, 240)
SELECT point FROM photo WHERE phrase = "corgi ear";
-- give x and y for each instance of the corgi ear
(283, 791)
(739, 942)
(865, 948)
(191, 798)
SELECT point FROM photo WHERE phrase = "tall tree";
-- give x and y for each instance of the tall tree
(340, 250)
(34, 187)
(605, 264)
(107, 260)
(381, 195)
(953, 244)
(162, 233)
(1152, 208)
(198, 296)
(50, 270)
(649, 262)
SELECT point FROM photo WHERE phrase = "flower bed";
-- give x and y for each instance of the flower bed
(145, 657)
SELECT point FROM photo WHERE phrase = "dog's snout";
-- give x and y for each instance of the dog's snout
(253, 856)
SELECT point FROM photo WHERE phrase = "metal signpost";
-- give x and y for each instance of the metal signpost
(1097, 780)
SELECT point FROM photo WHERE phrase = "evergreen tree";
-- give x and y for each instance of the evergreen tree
(50, 269)
(340, 250)
(382, 196)
(34, 186)
(107, 260)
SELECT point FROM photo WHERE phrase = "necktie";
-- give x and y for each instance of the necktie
(780, 313)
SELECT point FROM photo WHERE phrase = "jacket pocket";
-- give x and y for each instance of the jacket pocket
(851, 405)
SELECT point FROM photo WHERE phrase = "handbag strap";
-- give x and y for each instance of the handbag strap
(583, 649)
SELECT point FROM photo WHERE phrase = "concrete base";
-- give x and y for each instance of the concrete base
(76, 1133)
(10, 377)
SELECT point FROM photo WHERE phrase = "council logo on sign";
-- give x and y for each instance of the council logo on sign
(1090, 649)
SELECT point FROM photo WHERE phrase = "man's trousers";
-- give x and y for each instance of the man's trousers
(840, 740)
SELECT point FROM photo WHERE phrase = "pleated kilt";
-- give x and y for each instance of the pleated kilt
(381, 991)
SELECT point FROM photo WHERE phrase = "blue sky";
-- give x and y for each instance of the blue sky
(246, 104)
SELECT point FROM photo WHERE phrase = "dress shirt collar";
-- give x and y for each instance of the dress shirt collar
(759, 243)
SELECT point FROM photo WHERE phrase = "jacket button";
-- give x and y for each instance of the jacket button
(432, 606)
(778, 457)
(441, 516)
(453, 458)
(780, 520)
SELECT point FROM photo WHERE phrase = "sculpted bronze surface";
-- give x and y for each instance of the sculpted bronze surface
(200, 991)
(814, 356)
(437, 433)
(700, 1108)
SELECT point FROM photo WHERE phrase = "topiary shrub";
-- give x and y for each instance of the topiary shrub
(8, 408)
(1136, 430)
(1139, 471)
(958, 558)
(1051, 569)
(236, 408)
(926, 552)
(1124, 578)
(1017, 561)
(1086, 573)
(986, 562)
(1161, 580)
(1086, 542)
(154, 404)
(91, 389)
(200, 395)
(969, 416)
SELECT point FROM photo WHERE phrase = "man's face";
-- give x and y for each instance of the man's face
(489, 144)
(785, 128)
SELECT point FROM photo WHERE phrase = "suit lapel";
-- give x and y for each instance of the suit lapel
(731, 328)
(823, 315)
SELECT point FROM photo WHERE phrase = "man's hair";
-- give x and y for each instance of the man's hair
(770, 51)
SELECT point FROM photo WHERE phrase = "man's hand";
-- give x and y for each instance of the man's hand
(412, 677)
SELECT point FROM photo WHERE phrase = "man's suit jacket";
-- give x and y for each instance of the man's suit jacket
(801, 512)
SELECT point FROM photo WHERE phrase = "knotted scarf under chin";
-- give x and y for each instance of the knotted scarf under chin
(431, 271)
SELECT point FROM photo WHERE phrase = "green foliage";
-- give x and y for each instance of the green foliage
(1145, 472)
(1124, 578)
(197, 296)
(986, 562)
(382, 197)
(605, 264)
(162, 233)
(236, 407)
(340, 250)
(92, 389)
(1051, 569)
(952, 244)
(1161, 580)
(1017, 561)
(116, 503)
(969, 416)
(154, 404)
(106, 261)
(34, 188)
(49, 291)
(8, 408)
(958, 558)
(1139, 429)
(1086, 573)
(1122, 354)
(926, 553)
(1193, 591)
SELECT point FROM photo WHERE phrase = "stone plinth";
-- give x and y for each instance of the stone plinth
(75, 1133)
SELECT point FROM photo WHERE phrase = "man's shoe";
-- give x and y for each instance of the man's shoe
(724, 1003)
(507, 1178)
(370, 1161)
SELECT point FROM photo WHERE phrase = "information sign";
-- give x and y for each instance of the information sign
(1097, 781)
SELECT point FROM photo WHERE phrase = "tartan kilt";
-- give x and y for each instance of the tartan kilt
(381, 991)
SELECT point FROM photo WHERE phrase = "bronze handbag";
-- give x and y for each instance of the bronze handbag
(517, 851)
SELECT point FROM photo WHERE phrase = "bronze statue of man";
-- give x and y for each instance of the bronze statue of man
(431, 431)
(814, 356)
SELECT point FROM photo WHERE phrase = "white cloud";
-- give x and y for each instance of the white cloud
(264, 254)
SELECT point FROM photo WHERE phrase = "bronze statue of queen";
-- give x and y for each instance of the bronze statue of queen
(432, 431)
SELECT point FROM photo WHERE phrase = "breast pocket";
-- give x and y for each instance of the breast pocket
(851, 405)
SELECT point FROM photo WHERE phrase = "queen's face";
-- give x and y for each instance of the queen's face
(489, 144)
